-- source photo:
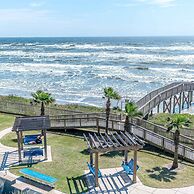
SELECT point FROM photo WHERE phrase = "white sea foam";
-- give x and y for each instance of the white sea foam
(103, 56)
(78, 72)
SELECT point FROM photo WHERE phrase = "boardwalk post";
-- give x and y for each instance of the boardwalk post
(180, 102)
(170, 108)
(158, 108)
(183, 100)
(96, 169)
(191, 97)
(174, 104)
(164, 106)
(135, 167)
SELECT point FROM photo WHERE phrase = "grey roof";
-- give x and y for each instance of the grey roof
(31, 123)
(113, 141)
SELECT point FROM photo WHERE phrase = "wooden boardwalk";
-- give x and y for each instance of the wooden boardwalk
(99, 123)
(175, 96)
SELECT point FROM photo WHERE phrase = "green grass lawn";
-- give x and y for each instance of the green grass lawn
(6, 121)
(70, 157)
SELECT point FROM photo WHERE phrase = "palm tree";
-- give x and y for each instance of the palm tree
(43, 98)
(131, 111)
(109, 93)
(179, 121)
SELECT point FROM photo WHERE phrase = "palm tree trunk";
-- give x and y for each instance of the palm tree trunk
(127, 125)
(42, 109)
(107, 113)
(176, 144)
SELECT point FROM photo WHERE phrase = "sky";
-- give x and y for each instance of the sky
(64, 18)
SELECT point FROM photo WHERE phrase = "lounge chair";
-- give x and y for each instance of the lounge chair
(33, 152)
(30, 138)
(128, 167)
(92, 170)
(39, 177)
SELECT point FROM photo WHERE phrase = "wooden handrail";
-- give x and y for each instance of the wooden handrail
(96, 122)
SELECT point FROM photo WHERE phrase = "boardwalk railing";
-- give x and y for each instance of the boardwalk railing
(154, 93)
(117, 125)
(150, 101)
(138, 121)
(163, 131)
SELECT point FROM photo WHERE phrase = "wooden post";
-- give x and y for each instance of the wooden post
(170, 108)
(191, 97)
(164, 106)
(126, 156)
(158, 108)
(21, 137)
(135, 167)
(45, 144)
(19, 147)
(183, 100)
(97, 125)
(174, 105)
(180, 107)
(91, 159)
(96, 169)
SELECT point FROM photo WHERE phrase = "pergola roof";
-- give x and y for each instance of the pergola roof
(31, 123)
(112, 142)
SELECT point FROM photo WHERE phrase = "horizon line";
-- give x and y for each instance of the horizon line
(142, 36)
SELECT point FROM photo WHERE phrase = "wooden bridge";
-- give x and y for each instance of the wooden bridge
(171, 98)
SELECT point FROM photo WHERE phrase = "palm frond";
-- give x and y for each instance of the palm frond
(131, 110)
(41, 96)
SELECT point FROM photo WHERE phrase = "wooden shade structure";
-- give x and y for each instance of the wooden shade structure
(33, 123)
(115, 141)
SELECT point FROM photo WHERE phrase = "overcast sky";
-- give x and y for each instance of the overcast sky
(96, 18)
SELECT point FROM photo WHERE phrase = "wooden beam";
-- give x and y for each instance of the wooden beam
(89, 144)
(115, 139)
(131, 138)
(93, 140)
(120, 138)
(96, 169)
(104, 140)
(135, 167)
(99, 141)
(110, 140)
(126, 138)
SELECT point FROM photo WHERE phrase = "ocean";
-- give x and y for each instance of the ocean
(75, 70)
